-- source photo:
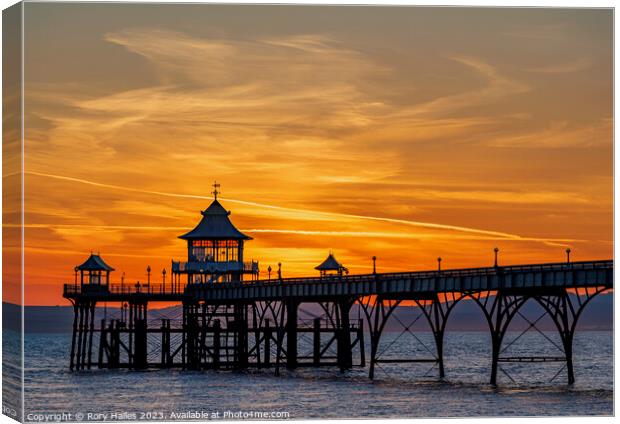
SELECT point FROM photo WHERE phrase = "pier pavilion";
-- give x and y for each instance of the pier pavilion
(214, 250)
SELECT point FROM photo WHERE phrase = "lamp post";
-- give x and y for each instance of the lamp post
(374, 264)
(439, 263)
(496, 250)
(148, 275)
(279, 271)
(269, 272)
(76, 270)
(568, 255)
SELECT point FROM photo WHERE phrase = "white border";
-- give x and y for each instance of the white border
(480, 3)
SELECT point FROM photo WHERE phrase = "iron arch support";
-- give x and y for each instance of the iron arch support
(565, 313)
(436, 313)
(377, 315)
(499, 312)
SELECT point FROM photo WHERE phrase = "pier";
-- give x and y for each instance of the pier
(229, 318)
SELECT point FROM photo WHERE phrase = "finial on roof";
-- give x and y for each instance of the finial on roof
(215, 191)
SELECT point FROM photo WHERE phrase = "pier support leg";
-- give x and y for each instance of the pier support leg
(316, 342)
(256, 324)
(495, 346)
(267, 341)
(568, 351)
(291, 334)
(115, 344)
(85, 313)
(375, 336)
(345, 359)
(138, 334)
(131, 319)
(140, 351)
(74, 336)
(91, 333)
(103, 343)
(184, 337)
(567, 331)
(241, 330)
(360, 341)
(279, 316)
(192, 360)
(438, 319)
(216, 343)
(165, 342)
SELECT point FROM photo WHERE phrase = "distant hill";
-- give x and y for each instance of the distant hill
(466, 316)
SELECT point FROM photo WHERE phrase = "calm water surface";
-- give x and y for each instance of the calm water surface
(400, 391)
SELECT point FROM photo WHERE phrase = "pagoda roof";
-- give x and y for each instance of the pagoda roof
(94, 263)
(215, 225)
(330, 264)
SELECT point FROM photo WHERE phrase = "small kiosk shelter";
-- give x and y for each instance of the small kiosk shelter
(96, 271)
(331, 266)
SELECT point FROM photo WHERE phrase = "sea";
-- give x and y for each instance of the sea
(53, 393)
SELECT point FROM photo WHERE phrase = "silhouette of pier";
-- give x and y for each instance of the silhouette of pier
(229, 318)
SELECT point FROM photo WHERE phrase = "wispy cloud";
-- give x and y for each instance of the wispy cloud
(496, 87)
(560, 134)
(562, 68)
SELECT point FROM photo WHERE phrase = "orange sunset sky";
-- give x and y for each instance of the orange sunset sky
(405, 133)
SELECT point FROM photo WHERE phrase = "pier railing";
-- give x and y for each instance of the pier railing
(462, 272)
(158, 288)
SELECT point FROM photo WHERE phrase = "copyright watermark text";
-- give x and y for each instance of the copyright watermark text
(185, 415)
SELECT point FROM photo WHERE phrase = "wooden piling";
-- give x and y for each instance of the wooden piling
(91, 333)
(268, 334)
(165, 342)
(103, 337)
(316, 351)
(291, 334)
(345, 360)
(216, 343)
(73, 337)
(115, 344)
(140, 345)
(78, 362)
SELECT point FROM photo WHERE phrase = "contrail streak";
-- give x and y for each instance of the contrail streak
(431, 225)
(335, 233)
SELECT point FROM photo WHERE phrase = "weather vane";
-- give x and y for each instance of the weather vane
(215, 187)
